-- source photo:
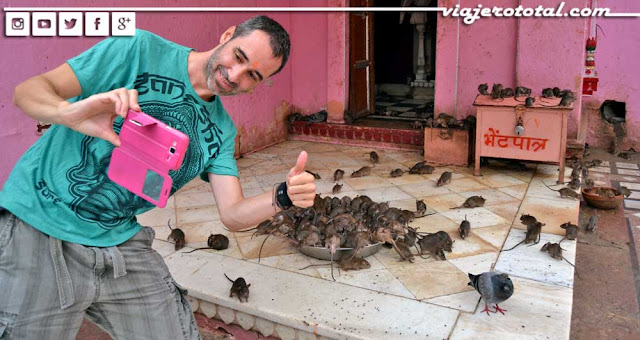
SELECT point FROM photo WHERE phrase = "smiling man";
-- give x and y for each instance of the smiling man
(70, 245)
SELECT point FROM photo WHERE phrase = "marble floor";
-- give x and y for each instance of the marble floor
(427, 299)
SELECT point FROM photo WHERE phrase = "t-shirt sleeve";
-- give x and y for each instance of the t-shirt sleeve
(225, 162)
(108, 65)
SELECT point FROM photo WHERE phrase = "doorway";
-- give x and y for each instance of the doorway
(389, 77)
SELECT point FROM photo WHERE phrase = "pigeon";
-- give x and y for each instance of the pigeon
(493, 287)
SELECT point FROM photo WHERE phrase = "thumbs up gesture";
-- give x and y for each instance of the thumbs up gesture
(301, 186)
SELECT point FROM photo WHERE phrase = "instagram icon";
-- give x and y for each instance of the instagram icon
(17, 24)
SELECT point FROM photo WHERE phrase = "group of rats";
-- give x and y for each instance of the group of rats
(499, 92)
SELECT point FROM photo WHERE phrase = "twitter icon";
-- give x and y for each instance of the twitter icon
(70, 24)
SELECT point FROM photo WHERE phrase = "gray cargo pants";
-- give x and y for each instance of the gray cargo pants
(47, 286)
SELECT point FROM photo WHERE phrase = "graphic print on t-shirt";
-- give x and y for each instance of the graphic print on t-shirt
(98, 199)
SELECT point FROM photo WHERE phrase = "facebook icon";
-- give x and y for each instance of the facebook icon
(96, 24)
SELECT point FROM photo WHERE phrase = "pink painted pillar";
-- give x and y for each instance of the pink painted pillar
(551, 52)
(337, 63)
(446, 61)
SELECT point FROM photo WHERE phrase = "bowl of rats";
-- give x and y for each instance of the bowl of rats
(602, 197)
(323, 253)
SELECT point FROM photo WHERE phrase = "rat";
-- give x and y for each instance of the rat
(547, 93)
(571, 230)
(396, 173)
(216, 242)
(177, 235)
(496, 91)
(564, 192)
(522, 91)
(421, 208)
(433, 245)
(566, 99)
(444, 179)
(528, 102)
(532, 235)
(315, 175)
(556, 91)
(588, 184)
(239, 288)
(416, 124)
(507, 92)
(482, 88)
(373, 157)
(465, 228)
(555, 251)
(338, 175)
(336, 189)
(606, 192)
(528, 220)
(623, 191)
(362, 172)
(404, 250)
(593, 224)
(472, 202)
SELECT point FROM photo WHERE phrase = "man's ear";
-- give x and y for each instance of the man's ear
(227, 34)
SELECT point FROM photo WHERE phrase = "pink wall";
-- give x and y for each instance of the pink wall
(541, 52)
(259, 117)
(618, 65)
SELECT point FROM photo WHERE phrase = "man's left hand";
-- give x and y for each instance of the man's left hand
(301, 186)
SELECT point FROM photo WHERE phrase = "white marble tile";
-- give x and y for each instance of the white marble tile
(492, 197)
(632, 179)
(603, 169)
(517, 191)
(197, 214)
(551, 170)
(535, 311)
(164, 248)
(537, 188)
(157, 217)
(632, 204)
(529, 262)
(478, 217)
(367, 182)
(424, 188)
(494, 235)
(465, 184)
(195, 199)
(365, 314)
(621, 165)
(465, 301)
(475, 264)
(552, 213)
(631, 186)
(629, 172)
(635, 195)
(500, 180)
(377, 280)
(385, 194)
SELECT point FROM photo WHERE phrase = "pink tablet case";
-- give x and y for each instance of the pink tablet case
(148, 150)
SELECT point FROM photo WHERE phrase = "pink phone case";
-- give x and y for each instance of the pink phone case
(148, 150)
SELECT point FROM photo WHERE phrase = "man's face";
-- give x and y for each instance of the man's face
(240, 64)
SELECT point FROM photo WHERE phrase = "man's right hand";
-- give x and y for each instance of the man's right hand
(94, 116)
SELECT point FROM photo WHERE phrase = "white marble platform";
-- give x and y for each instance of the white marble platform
(427, 299)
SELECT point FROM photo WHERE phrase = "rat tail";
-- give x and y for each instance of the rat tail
(225, 274)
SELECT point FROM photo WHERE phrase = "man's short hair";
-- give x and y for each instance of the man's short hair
(280, 43)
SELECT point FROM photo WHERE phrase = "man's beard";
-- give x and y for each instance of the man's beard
(210, 73)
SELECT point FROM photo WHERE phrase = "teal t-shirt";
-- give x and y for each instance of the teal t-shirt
(60, 185)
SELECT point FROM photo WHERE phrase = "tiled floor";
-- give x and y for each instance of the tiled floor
(425, 299)
(387, 107)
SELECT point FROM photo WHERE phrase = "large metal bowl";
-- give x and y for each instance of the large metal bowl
(322, 253)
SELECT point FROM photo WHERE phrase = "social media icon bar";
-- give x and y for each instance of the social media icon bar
(96, 24)
(17, 24)
(43, 24)
(70, 24)
(123, 23)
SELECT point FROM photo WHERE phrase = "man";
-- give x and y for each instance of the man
(70, 245)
